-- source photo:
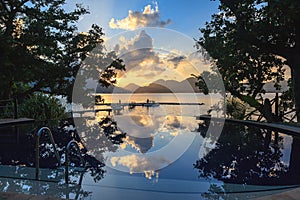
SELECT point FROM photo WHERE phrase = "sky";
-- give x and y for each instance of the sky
(154, 38)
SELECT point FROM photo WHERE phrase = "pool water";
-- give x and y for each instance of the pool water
(144, 154)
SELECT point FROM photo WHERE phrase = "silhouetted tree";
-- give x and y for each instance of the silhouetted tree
(42, 50)
(250, 41)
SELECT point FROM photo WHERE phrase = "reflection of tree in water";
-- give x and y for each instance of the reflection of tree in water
(99, 137)
(245, 155)
(72, 191)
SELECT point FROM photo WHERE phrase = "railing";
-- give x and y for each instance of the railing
(37, 154)
(68, 148)
(4, 105)
(72, 142)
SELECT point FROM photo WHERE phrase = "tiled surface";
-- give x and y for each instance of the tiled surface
(288, 195)
(19, 196)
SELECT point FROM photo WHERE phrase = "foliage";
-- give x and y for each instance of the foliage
(42, 107)
(41, 49)
(250, 41)
(235, 108)
(209, 82)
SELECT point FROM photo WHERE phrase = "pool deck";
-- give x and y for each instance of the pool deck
(289, 195)
(285, 128)
(293, 194)
(20, 196)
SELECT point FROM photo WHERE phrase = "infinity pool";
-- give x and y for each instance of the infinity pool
(141, 155)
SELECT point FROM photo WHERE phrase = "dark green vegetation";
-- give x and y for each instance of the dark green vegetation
(250, 41)
(42, 107)
(249, 155)
(41, 50)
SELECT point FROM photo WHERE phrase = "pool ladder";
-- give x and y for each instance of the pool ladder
(68, 147)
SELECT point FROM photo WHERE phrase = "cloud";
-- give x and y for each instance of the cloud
(142, 126)
(176, 59)
(142, 145)
(137, 164)
(146, 63)
(148, 18)
(139, 56)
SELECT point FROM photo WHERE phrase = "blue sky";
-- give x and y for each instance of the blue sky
(154, 38)
(186, 16)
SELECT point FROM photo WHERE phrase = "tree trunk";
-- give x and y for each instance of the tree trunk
(296, 87)
(294, 62)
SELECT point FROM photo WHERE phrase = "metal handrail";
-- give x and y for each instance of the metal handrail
(37, 146)
(72, 142)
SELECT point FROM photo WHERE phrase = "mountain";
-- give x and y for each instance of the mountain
(192, 81)
(131, 87)
(153, 88)
(159, 86)
(110, 89)
(166, 86)
(185, 86)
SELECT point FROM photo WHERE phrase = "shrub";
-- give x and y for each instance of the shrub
(42, 107)
(235, 108)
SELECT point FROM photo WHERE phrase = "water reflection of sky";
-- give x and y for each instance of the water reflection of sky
(155, 138)
(160, 162)
(149, 149)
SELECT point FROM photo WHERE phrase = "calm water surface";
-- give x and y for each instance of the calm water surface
(164, 152)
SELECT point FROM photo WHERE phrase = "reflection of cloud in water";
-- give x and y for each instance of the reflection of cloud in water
(140, 126)
(141, 129)
(142, 145)
(137, 164)
(175, 123)
(143, 120)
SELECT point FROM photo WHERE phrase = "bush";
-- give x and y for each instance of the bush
(42, 107)
(235, 108)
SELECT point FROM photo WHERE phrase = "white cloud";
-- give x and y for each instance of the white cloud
(139, 55)
(146, 63)
(148, 18)
(136, 164)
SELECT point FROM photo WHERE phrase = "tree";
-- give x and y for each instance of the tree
(41, 49)
(250, 42)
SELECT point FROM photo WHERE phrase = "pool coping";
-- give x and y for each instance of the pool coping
(21, 196)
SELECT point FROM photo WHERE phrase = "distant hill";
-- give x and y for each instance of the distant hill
(153, 88)
(159, 86)
(185, 86)
(171, 86)
(166, 86)
(131, 87)
(110, 89)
